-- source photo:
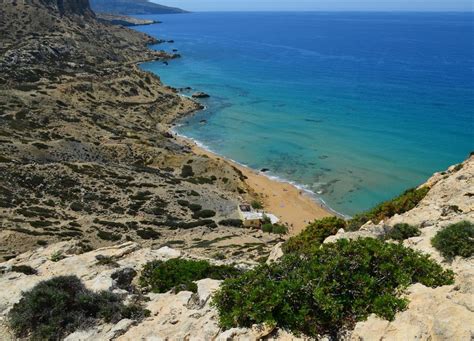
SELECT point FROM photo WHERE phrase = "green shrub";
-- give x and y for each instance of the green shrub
(331, 289)
(274, 228)
(256, 205)
(231, 222)
(148, 233)
(401, 232)
(195, 207)
(314, 235)
(455, 240)
(106, 261)
(41, 223)
(191, 224)
(193, 193)
(279, 229)
(204, 214)
(57, 256)
(179, 274)
(401, 204)
(184, 203)
(24, 269)
(268, 227)
(187, 171)
(266, 219)
(105, 235)
(219, 256)
(59, 306)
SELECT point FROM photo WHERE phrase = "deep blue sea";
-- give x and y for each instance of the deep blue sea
(355, 107)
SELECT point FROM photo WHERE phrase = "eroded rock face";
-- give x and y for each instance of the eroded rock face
(433, 314)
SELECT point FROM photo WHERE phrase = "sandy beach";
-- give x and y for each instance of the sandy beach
(290, 204)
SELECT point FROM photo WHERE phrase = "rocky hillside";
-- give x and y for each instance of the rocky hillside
(442, 313)
(132, 7)
(85, 151)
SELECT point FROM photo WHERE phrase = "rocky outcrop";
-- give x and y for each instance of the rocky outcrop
(200, 95)
(275, 253)
(433, 314)
(173, 316)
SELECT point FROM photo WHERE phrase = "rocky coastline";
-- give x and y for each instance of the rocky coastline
(94, 185)
(124, 20)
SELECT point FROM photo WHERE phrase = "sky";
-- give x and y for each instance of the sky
(325, 5)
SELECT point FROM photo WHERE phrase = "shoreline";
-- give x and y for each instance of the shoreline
(292, 205)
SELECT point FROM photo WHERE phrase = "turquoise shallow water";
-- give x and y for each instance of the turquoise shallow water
(356, 107)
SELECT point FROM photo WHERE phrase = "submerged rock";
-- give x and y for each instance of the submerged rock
(200, 95)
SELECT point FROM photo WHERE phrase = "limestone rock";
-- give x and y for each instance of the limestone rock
(206, 288)
(85, 266)
(433, 314)
(120, 328)
(276, 253)
(83, 335)
(168, 253)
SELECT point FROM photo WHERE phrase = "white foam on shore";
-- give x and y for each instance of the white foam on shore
(303, 188)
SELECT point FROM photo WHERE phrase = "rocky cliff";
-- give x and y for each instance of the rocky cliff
(71, 7)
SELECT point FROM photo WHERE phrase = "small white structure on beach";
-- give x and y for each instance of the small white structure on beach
(251, 218)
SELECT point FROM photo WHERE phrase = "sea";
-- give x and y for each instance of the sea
(352, 107)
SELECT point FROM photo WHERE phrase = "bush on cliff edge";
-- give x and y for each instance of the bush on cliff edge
(313, 235)
(401, 204)
(180, 274)
(61, 305)
(329, 289)
(455, 240)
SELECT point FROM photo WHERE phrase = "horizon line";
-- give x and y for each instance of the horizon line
(324, 11)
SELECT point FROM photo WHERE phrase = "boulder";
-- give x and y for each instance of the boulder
(120, 328)
(168, 253)
(200, 95)
(433, 314)
(276, 253)
(206, 288)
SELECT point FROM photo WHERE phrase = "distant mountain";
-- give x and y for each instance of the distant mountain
(131, 7)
